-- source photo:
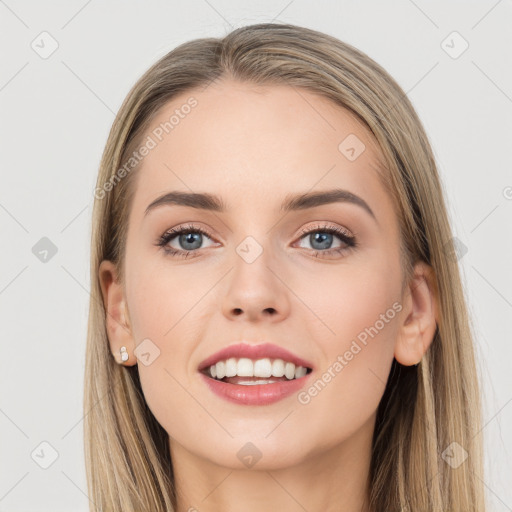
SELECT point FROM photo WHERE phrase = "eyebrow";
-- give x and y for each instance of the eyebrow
(211, 202)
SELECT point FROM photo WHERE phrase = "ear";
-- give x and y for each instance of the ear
(117, 320)
(420, 316)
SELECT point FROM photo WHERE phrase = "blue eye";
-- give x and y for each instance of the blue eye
(324, 235)
(190, 239)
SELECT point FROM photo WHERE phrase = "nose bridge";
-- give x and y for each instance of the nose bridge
(254, 287)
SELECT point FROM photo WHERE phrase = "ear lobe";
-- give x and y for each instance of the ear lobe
(116, 320)
(420, 316)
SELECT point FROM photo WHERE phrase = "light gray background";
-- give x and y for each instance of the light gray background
(55, 117)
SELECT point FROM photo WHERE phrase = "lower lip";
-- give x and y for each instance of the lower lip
(258, 394)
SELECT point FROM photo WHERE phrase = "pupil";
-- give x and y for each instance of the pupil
(189, 238)
(322, 239)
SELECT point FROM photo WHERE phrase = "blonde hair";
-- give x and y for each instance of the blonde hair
(424, 409)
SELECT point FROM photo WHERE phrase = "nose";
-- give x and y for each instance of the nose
(256, 293)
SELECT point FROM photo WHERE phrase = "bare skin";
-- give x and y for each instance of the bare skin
(254, 147)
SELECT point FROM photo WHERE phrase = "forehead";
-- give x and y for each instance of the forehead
(254, 144)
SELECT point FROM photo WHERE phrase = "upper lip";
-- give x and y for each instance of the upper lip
(260, 351)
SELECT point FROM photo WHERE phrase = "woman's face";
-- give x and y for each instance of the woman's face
(263, 274)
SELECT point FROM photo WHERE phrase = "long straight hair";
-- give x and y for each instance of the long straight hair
(424, 409)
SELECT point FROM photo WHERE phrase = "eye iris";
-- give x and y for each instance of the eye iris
(321, 237)
(189, 238)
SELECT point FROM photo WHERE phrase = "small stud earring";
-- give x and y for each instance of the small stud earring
(124, 354)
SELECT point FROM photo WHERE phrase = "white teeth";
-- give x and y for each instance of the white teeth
(278, 368)
(231, 367)
(245, 368)
(254, 382)
(300, 371)
(221, 369)
(289, 370)
(264, 368)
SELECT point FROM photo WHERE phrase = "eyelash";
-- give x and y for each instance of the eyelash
(334, 230)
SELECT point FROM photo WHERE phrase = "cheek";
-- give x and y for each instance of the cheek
(162, 299)
(358, 357)
(359, 313)
(165, 308)
(349, 299)
(366, 312)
